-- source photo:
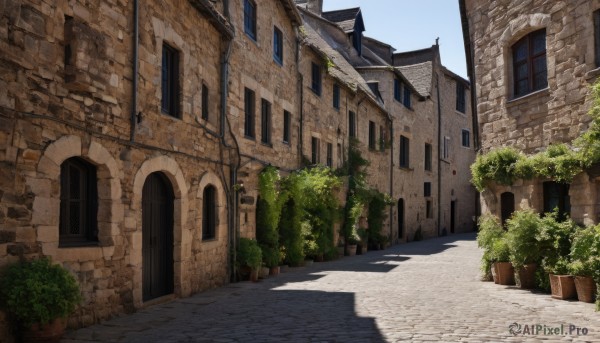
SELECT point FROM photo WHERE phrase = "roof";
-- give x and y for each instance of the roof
(341, 69)
(214, 16)
(345, 18)
(292, 11)
(415, 56)
(420, 76)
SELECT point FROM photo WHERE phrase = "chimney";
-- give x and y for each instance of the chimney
(315, 6)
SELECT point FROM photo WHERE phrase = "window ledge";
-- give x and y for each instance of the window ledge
(529, 96)
(277, 61)
(266, 144)
(210, 240)
(315, 91)
(592, 74)
(407, 169)
(464, 114)
(250, 138)
(68, 245)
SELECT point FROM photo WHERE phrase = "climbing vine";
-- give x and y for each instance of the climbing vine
(560, 162)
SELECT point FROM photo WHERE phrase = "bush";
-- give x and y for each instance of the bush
(498, 165)
(490, 230)
(249, 254)
(585, 253)
(38, 292)
(555, 243)
(523, 231)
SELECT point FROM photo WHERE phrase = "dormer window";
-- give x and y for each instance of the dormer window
(357, 41)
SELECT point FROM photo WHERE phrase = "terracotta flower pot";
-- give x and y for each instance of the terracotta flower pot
(351, 249)
(563, 286)
(274, 271)
(525, 277)
(254, 275)
(505, 273)
(586, 288)
(47, 333)
(494, 273)
(264, 273)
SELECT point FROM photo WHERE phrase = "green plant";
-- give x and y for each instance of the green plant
(585, 253)
(490, 230)
(555, 243)
(377, 207)
(38, 292)
(498, 165)
(268, 214)
(248, 254)
(500, 250)
(523, 230)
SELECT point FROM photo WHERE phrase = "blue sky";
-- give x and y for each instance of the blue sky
(412, 25)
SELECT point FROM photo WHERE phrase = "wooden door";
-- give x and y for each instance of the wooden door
(157, 237)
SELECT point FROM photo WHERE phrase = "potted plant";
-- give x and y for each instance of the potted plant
(352, 241)
(523, 230)
(362, 247)
(249, 258)
(586, 262)
(39, 296)
(500, 254)
(490, 230)
(562, 285)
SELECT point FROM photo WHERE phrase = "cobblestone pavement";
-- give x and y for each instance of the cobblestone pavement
(420, 292)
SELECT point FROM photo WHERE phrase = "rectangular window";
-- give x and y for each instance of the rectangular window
(250, 18)
(381, 139)
(460, 97)
(209, 213)
(315, 149)
(170, 81)
(556, 196)
(352, 124)
(286, 126)
(597, 37)
(428, 209)
(406, 101)
(277, 45)
(330, 155)
(397, 90)
(336, 96)
(404, 152)
(529, 63)
(340, 155)
(316, 79)
(204, 102)
(427, 189)
(428, 154)
(466, 139)
(265, 119)
(249, 113)
(372, 138)
(446, 151)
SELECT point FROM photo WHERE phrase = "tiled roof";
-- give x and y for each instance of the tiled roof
(345, 18)
(420, 76)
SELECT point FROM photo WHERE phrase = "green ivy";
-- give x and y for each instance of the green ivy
(268, 213)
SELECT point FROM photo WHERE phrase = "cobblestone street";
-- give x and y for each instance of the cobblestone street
(422, 291)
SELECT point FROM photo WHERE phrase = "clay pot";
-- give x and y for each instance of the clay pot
(586, 289)
(47, 333)
(505, 273)
(525, 277)
(351, 249)
(494, 273)
(563, 286)
(274, 271)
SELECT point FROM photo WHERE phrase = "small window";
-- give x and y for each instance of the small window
(336, 96)
(250, 18)
(170, 81)
(507, 206)
(446, 151)
(249, 112)
(372, 138)
(427, 189)
(316, 79)
(404, 152)
(529, 63)
(466, 138)
(315, 150)
(352, 124)
(428, 154)
(460, 97)
(204, 102)
(330, 155)
(265, 120)
(428, 209)
(381, 139)
(78, 218)
(597, 36)
(68, 36)
(357, 41)
(277, 45)
(397, 90)
(556, 196)
(209, 213)
(286, 126)
(406, 101)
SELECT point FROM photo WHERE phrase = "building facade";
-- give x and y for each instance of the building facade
(132, 135)
(532, 63)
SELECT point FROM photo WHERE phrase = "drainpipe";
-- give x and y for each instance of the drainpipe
(392, 178)
(134, 91)
(439, 188)
(301, 104)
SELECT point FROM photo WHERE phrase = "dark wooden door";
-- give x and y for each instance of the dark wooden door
(400, 218)
(507, 205)
(157, 237)
(452, 216)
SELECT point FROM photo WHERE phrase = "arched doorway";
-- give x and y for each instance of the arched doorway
(157, 237)
(400, 218)
(507, 205)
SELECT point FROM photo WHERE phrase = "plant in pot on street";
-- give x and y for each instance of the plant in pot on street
(249, 258)
(500, 254)
(490, 230)
(585, 265)
(39, 296)
(523, 231)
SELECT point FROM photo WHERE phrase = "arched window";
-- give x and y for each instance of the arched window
(209, 213)
(529, 63)
(78, 222)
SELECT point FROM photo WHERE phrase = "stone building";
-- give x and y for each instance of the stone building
(532, 63)
(132, 134)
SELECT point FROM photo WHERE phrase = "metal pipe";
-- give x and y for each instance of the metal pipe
(134, 95)
(439, 188)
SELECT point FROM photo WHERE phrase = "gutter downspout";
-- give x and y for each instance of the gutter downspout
(439, 188)
(301, 105)
(134, 91)
(392, 179)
